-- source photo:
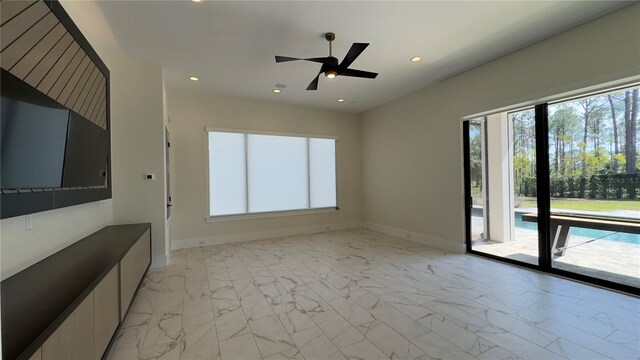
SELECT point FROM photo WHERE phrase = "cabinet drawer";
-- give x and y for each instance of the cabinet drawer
(74, 339)
(132, 268)
(106, 304)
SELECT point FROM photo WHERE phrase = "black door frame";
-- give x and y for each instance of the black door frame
(544, 208)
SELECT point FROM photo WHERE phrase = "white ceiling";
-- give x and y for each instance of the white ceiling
(231, 45)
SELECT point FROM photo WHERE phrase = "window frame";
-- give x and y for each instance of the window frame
(267, 214)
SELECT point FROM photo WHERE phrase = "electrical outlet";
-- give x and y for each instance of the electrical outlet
(28, 222)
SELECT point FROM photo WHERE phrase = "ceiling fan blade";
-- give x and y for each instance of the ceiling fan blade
(280, 59)
(354, 52)
(321, 60)
(358, 73)
(314, 83)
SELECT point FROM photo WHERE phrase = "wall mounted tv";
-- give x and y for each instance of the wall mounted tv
(54, 113)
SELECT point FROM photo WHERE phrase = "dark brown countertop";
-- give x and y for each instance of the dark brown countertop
(38, 299)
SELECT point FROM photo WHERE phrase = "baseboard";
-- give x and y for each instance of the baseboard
(416, 237)
(159, 261)
(259, 235)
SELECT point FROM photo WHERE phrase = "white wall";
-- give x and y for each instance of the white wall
(52, 231)
(190, 113)
(412, 147)
(137, 148)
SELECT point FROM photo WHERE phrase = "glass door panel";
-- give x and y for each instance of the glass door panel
(594, 181)
(502, 181)
(477, 173)
(524, 203)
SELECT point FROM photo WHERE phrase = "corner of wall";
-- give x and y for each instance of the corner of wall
(424, 239)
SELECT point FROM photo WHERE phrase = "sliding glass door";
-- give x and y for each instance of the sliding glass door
(595, 205)
(557, 187)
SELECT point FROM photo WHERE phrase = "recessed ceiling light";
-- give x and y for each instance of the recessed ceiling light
(416, 59)
(193, 78)
(341, 100)
(196, 0)
(277, 91)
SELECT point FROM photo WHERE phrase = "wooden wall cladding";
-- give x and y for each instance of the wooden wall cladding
(37, 48)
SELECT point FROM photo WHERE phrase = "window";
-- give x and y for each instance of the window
(256, 173)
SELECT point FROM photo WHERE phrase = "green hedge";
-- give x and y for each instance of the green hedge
(616, 186)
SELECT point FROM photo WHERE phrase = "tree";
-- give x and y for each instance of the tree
(562, 125)
(630, 116)
(587, 106)
(475, 153)
(615, 133)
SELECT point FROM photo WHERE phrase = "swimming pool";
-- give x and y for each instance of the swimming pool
(588, 233)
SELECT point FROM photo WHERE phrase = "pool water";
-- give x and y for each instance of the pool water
(588, 233)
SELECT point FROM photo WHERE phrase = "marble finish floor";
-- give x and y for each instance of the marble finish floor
(358, 294)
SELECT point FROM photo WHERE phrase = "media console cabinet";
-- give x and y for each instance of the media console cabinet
(70, 305)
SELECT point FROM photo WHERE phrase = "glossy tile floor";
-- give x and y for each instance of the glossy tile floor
(357, 294)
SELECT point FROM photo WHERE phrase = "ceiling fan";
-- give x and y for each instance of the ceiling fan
(330, 66)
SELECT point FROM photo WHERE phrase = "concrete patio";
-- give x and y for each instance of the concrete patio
(604, 259)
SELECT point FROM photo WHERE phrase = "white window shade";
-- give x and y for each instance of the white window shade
(227, 174)
(277, 173)
(258, 173)
(322, 172)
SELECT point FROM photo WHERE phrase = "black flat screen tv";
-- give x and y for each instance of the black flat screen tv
(33, 136)
(44, 145)
(50, 156)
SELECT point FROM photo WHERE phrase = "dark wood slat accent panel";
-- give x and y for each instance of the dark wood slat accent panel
(88, 85)
(91, 94)
(78, 73)
(17, 26)
(49, 60)
(80, 84)
(37, 48)
(19, 48)
(54, 74)
(12, 9)
(102, 114)
(66, 74)
(38, 52)
(94, 102)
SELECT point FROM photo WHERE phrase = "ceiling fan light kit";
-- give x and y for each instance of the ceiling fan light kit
(330, 65)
